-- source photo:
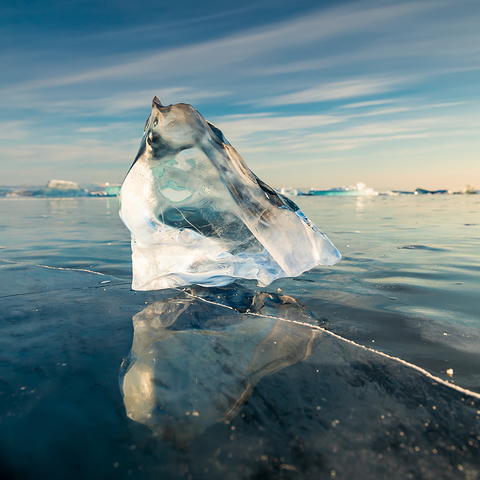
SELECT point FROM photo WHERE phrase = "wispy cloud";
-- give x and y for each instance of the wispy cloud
(122, 102)
(82, 150)
(168, 29)
(244, 125)
(13, 130)
(304, 162)
(370, 103)
(334, 91)
(347, 134)
(218, 54)
(110, 127)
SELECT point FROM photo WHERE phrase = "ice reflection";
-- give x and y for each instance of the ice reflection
(360, 204)
(62, 206)
(194, 362)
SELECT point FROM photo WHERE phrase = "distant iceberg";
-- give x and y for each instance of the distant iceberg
(469, 190)
(289, 191)
(62, 188)
(422, 191)
(395, 193)
(359, 190)
(112, 190)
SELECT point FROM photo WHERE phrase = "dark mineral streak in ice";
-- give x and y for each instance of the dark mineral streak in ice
(197, 214)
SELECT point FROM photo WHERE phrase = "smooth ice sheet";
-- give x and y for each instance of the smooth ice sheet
(197, 214)
(287, 395)
(318, 403)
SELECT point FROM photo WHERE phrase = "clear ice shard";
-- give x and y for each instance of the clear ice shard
(198, 215)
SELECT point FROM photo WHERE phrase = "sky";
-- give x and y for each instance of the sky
(311, 93)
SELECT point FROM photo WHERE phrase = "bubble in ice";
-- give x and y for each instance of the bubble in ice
(198, 215)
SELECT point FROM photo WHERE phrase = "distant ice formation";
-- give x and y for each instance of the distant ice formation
(112, 190)
(62, 188)
(360, 189)
(422, 191)
(198, 215)
(289, 191)
(469, 190)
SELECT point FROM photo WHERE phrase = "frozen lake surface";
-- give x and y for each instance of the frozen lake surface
(243, 382)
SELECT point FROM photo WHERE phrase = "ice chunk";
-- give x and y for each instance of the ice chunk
(359, 190)
(197, 214)
(289, 191)
(469, 190)
(112, 190)
(423, 191)
(62, 188)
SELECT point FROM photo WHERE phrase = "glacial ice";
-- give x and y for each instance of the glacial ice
(198, 215)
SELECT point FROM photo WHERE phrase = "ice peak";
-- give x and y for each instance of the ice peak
(156, 102)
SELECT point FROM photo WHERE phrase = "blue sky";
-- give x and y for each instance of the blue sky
(311, 93)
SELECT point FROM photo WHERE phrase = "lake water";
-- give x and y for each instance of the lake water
(407, 287)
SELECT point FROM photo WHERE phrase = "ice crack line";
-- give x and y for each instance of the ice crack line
(338, 337)
(64, 289)
(57, 268)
